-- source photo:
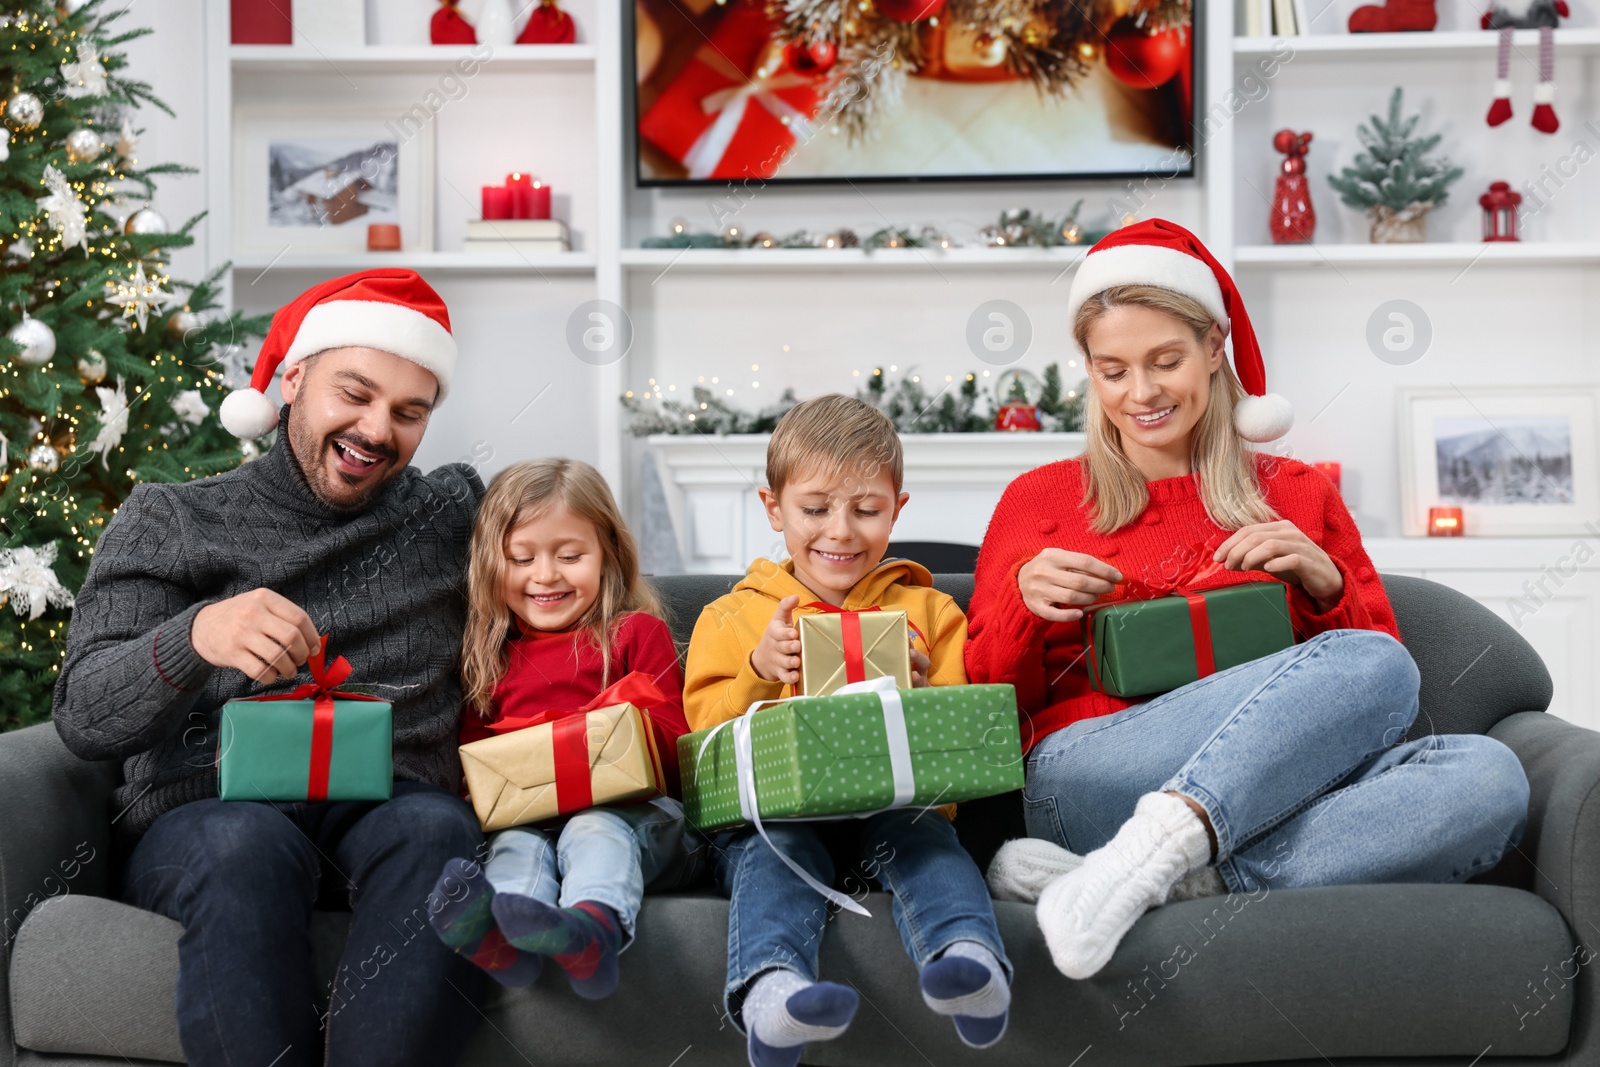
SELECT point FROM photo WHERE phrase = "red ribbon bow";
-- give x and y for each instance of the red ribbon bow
(569, 735)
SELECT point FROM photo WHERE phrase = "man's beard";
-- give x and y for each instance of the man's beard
(310, 450)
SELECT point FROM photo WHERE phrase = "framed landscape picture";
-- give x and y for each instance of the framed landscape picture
(1517, 461)
(310, 183)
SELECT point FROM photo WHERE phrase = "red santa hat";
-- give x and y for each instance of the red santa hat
(389, 309)
(1161, 253)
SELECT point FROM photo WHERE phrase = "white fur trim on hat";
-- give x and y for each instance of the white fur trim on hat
(247, 414)
(394, 328)
(1263, 418)
(1146, 265)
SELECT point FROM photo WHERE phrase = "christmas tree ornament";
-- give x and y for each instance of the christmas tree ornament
(24, 111)
(189, 406)
(19, 250)
(86, 77)
(36, 339)
(64, 210)
(138, 296)
(182, 322)
(1395, 180)
(91, 368)
(5, 458)
(146, 220)
(1506, 17)
(28, 576)
(127, 143)
(5, 146)
(989, 50)
(1294, 220)
(810, 57)
(113, 419)
(83, 146)
(44, 457)
(909, 10)
(1162, 253)
(840, 238)
(548, 24)
(1142, 59)
(449, 26)
(249, 450)
(763, 240)
(1017, 392)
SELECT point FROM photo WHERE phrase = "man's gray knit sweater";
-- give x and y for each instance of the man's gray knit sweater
(386, 584)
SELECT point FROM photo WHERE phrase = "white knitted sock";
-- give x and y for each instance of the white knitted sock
(767, 1018)
(1022, 868)
(1086, 913)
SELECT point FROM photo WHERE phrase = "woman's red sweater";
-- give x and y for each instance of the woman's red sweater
(550, 675)
(1044, 509)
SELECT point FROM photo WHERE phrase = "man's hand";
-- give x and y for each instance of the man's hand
(263, 634)
(1057, 584)
(777, 656)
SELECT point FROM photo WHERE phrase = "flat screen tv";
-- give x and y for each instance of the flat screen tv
(812, 91)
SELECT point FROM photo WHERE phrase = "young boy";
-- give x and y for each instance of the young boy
(834, 473)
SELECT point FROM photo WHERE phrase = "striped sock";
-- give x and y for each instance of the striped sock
(583, 939)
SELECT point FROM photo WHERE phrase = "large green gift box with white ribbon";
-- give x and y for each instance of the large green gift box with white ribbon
(862, 749)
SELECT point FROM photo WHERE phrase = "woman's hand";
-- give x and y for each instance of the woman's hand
(1284, 551)
(1056, 584)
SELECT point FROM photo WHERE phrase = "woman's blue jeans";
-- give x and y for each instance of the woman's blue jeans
(608, 855)
(776, 921)
(1296, 758)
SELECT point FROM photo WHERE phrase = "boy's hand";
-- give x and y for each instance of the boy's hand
(919, 667)
(777, 656)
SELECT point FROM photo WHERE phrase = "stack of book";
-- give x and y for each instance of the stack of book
(517, 236)
(1276, 18)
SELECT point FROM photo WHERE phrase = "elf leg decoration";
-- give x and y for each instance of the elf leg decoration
(1500, 110)
(1544, 94)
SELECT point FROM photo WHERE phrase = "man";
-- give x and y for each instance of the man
(220, 588)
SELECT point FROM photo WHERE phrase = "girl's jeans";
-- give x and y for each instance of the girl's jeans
(605, 855)
(1296, 758)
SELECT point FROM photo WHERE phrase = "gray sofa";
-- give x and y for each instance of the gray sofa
(1380, 975)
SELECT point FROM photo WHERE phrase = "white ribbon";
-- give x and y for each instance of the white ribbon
(900, 769)
(730, 104)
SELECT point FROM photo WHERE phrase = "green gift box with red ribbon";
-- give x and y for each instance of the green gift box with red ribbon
(1143, 647)
(313, 743)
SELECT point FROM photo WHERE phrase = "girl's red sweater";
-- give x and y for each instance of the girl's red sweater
(1172, 537)
(551, 675)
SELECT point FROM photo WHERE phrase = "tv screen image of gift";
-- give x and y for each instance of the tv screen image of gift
(1518, 460)
(884, 90)
(332, 181)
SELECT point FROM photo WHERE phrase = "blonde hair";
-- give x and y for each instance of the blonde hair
(1112, 486)
(829, 432)
(520, 494)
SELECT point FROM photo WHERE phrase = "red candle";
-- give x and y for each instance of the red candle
(383, 237)
(1445, 522)
(496, 202)
(539, 203)
(1332, 471)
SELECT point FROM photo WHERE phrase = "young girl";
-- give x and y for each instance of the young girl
(556, 612)
(1283, 772)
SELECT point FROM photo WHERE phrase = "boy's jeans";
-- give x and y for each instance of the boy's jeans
(1297, 759)
(776, 920)
(604, 855)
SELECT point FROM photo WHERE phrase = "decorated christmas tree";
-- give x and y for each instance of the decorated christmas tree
(111, 372)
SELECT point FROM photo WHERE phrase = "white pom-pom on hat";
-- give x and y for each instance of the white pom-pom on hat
(247, 414)
(1162, 253)
(390, 309)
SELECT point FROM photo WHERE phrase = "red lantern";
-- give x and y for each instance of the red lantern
(1500, 212)
(909, 10)
(1144, 60)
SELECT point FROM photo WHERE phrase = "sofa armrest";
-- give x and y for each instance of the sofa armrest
(1559, 856)
(55, 837)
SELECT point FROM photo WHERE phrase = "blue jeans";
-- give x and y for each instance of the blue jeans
(1296, 759)
(607, 855)
(775, 920)
(242, 877)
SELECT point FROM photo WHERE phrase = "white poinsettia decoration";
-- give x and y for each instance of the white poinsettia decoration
(113, 419)
(86, 77)
(28, 574)
(138, 296)
(64, 210)
(190, 407)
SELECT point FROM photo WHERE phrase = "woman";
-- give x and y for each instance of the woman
(1282, 772)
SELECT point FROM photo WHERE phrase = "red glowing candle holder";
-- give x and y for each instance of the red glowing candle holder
(530, 198)
(1445, 522)
(1332, 471)
(496, 202)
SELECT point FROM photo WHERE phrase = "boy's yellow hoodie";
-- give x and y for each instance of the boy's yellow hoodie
(719, 683)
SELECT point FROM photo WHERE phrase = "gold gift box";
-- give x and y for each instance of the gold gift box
(513, 778)
(885, 650)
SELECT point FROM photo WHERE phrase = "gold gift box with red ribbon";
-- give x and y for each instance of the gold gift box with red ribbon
(837, 647)
(602, 753)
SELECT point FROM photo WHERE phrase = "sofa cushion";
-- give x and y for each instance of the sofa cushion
(1340, 972)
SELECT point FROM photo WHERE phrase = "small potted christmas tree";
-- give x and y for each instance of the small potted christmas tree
(1394, 180)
